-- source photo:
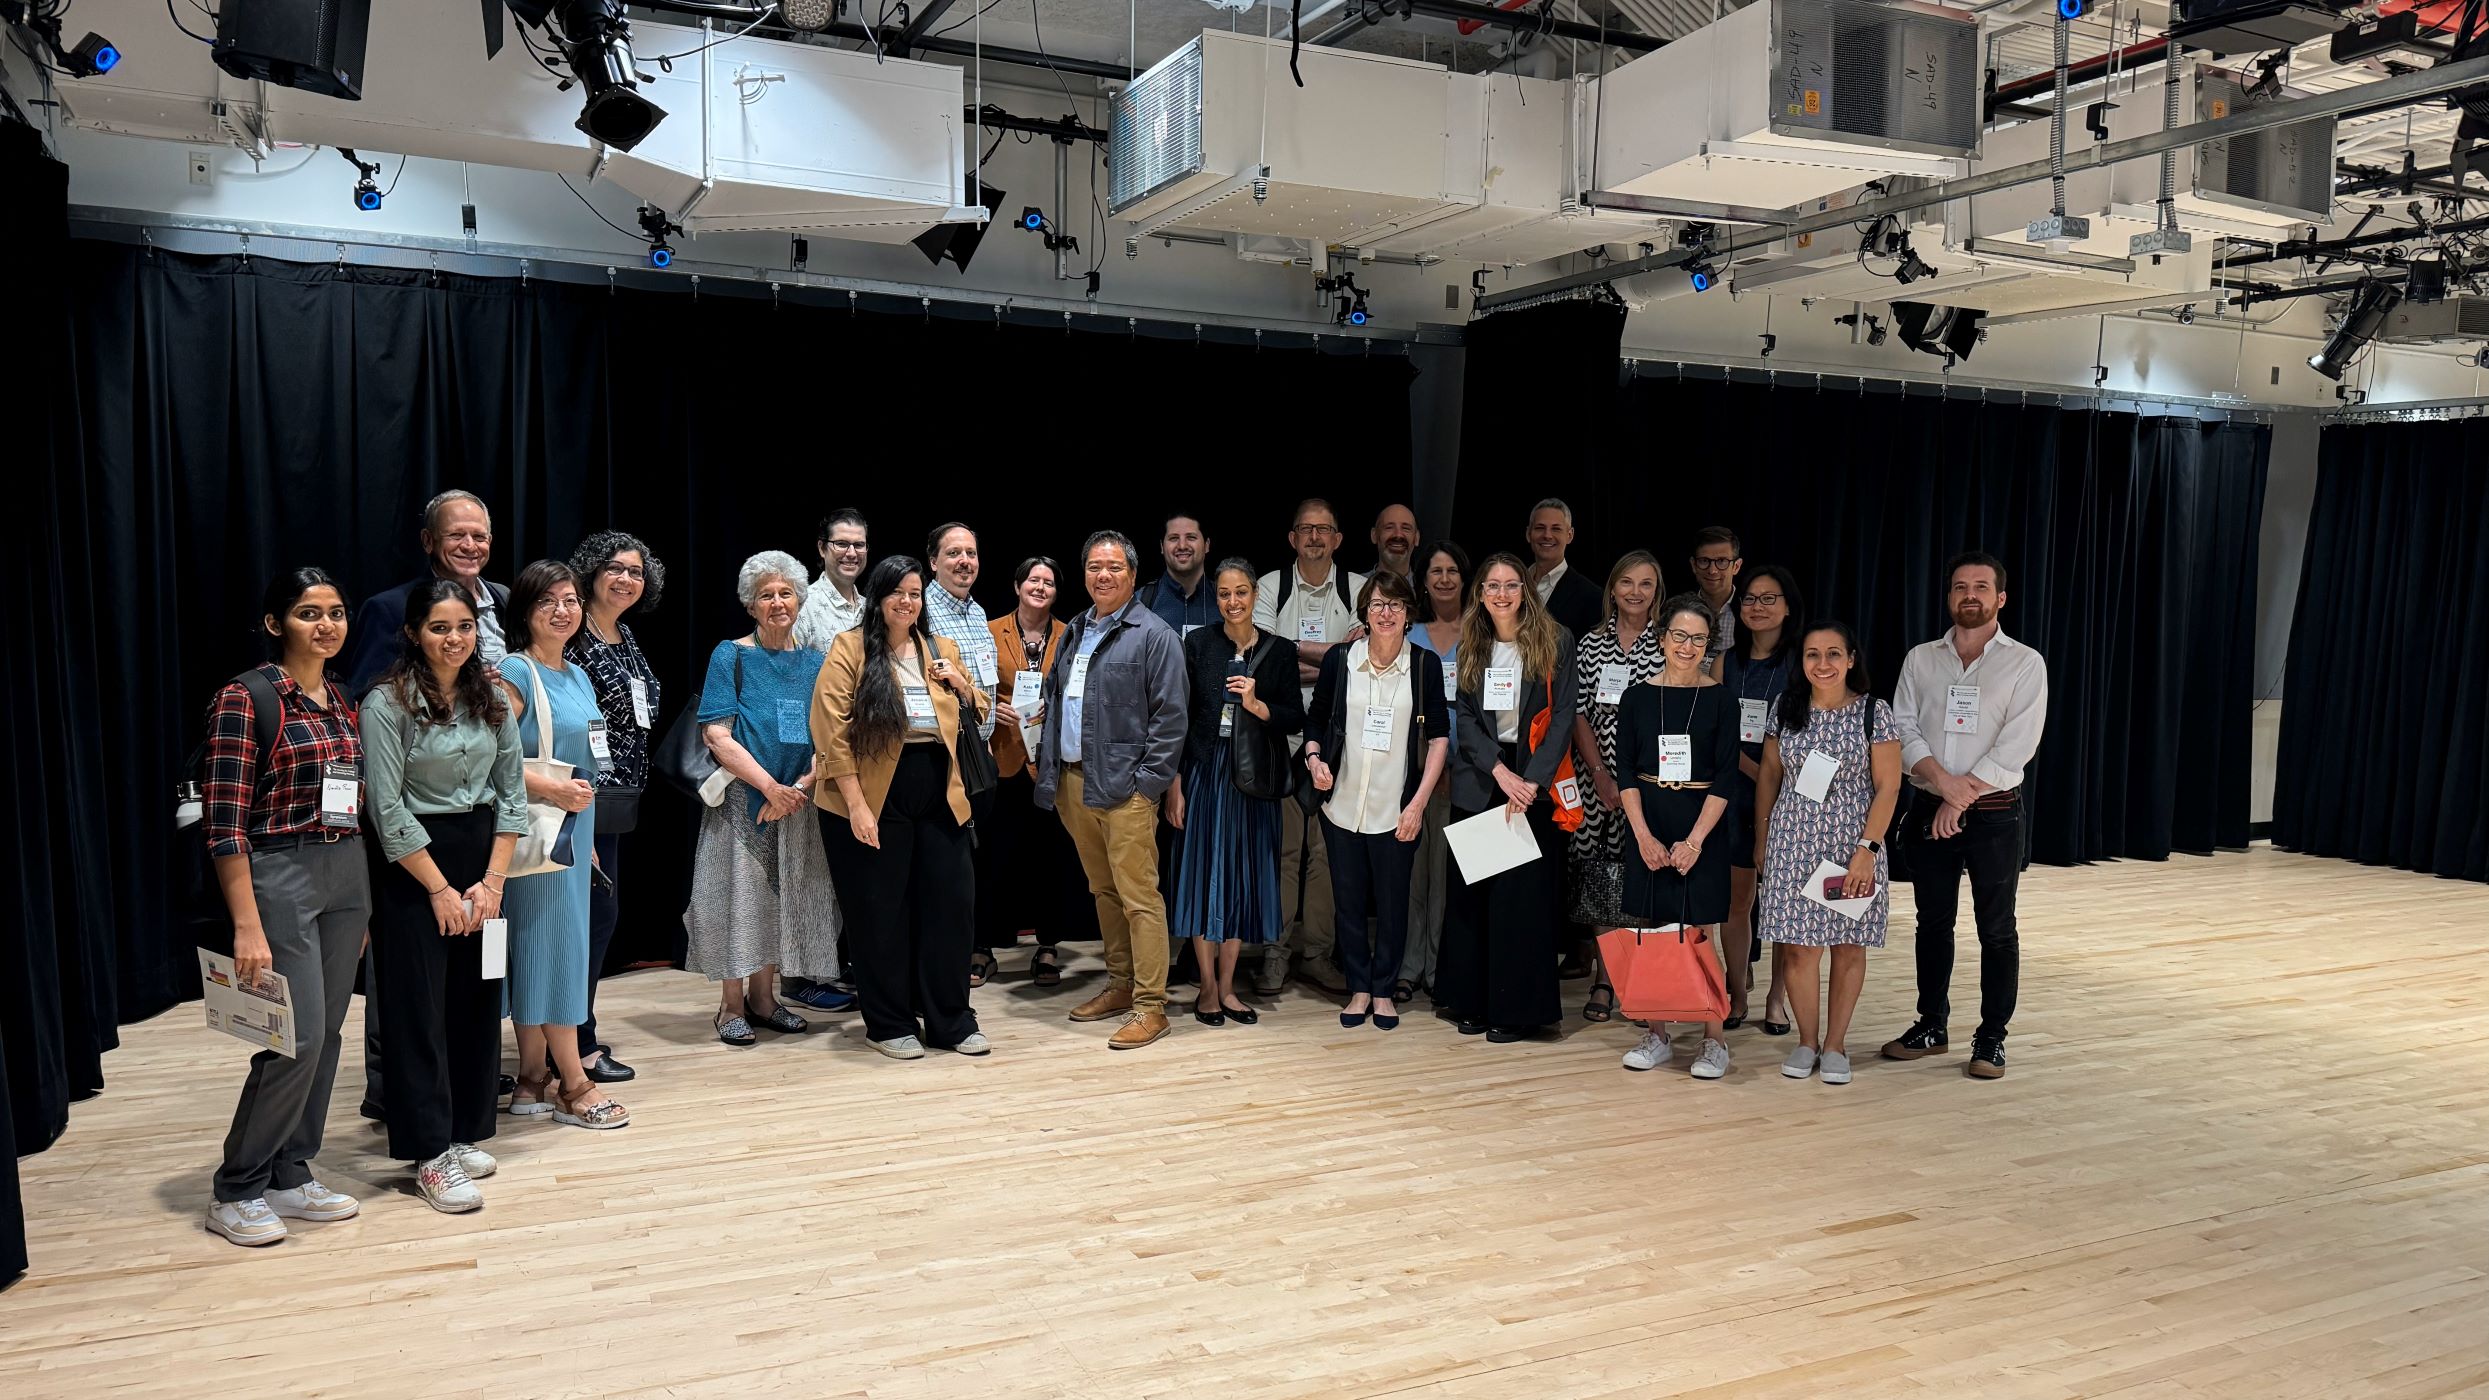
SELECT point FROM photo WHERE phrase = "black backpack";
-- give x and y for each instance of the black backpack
(205, 919)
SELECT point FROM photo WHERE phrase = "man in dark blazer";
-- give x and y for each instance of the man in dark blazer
(1571, 597)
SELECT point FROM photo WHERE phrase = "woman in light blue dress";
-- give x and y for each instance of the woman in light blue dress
(547, 987)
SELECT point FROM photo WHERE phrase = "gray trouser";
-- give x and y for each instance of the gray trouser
(314, 904)
(1429, 889)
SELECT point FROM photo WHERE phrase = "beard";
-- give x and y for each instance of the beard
(1972, 615)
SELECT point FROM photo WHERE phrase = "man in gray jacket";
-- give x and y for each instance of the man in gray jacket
(1115, 705)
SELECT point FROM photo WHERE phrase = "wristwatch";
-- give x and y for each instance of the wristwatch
(1871, 847)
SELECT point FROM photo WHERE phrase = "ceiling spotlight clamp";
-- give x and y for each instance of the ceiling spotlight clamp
(1875, 328)
(656, 225)
(1345, 298)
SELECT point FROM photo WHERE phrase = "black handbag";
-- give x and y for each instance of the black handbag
(977, 773)
(1257, 759)
(682, 757)
(618, 810)
(1595, 893)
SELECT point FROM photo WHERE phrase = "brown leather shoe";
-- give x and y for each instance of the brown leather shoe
(1144, 1027)
(1105, 1006)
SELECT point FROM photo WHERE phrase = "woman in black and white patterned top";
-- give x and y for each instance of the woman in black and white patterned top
(1621, 653)
(616, 574)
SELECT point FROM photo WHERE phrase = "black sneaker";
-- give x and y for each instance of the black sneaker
(1987, 1059)
(1924, 1038)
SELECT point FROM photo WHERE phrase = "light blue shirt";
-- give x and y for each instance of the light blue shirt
(1091, 633)
(963, 622)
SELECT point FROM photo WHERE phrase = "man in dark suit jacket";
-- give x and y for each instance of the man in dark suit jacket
(458, 537)
(1570, 597)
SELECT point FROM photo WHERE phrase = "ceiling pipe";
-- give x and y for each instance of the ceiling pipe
(2312, 248)
(2403, 89)
(890, 36)
(2077, 74)
(1373, 12)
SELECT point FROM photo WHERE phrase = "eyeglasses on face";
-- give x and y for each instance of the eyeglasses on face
(560, 602)
(1763, 600)
(630, 571)
(1688, 639)
(1499, 587)
(1387, 605)
(1712, 566)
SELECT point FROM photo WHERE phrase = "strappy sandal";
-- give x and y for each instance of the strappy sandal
(1403, 990)
(734, 1030)
(608, 1114)
(1601, 1007)
(1046, 969)
(980, 967)
(527, 1097)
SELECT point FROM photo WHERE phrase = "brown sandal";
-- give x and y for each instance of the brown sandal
(530, 1098)
(566, 1109)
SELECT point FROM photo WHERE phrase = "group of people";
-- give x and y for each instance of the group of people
(1221, 759)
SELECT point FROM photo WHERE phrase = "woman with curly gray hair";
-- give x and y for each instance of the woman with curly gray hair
(617, 573)
(761, 901)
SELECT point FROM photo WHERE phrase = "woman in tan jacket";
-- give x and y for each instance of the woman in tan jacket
(1028, 875)
(886, 717)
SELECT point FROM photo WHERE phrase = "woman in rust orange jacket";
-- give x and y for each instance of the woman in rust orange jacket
(1028, 875)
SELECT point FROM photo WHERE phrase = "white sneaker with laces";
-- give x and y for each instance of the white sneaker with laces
(905, 1047)
(246, 1222)
(1713, 1062)
(312, 1201)
(445, 1185)
(479, 1163)
(1801, 1062)
(974, 1043)
(1650, 1052)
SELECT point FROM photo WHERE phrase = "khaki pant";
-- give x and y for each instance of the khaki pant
(1118, 849)
(1310, 930)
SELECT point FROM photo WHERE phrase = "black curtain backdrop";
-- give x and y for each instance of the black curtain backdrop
(2383, 758)
(206, 421)
(2130, 545)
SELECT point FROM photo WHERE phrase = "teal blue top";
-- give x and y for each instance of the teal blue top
(422, 768)
(771, 707)
(573, 698)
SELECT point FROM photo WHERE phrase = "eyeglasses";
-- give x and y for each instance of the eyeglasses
(1712, 566)
(563, 603)
(846, 546)
(1318, 529)
(1689, 639)
(1387, 605)
(1763, 600)
(1508, 586)
(629, 571)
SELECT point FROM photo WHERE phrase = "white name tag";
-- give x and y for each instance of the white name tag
(1378, 728)
(1078, 683)
(1451, 682)
(496, 949)
(1676, 758)
(642, 713)
(1028, 693)
(598, 744)
(1613, 677)
(1961, 709)
(1815, 779)
(988, 670)
(1503, 687)
(919, 707)
(1753, 716)
(341, 795)
(1191, 627)
(1313, 629)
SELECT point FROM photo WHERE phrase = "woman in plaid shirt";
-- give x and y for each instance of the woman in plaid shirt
(284, 828)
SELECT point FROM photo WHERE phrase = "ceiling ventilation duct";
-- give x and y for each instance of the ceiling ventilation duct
(1791, 100)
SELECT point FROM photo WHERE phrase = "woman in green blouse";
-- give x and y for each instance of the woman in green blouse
(446, 790)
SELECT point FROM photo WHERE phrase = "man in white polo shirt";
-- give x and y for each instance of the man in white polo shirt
(1312, 604)
(1970, 706)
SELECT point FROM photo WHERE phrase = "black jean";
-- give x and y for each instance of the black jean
(1369, 877)
(441, 1022)
(909, 905)
(1989, 847)
(603, 913)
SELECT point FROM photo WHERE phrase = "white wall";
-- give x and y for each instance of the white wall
(2289, 493)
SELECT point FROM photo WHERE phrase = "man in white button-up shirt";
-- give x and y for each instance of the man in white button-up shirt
(1971, 706)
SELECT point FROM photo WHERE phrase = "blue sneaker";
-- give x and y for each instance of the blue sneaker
(821, 996)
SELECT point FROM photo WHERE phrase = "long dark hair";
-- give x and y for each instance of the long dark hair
(1788, 593)
(880, 723)
(530, 588)
(1797, 700)
(280, 596)
(409, 678)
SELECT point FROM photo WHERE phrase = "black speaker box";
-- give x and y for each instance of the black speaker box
(314, 45)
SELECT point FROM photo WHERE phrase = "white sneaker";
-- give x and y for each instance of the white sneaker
(1650, 1052)
(478, 1162)
(246, 1222)
(905, 1047)
(1713, 1062)
(1801, 1062)
(445, 1186)
(312, 1201)
(1835, 1067)
(974, 1043)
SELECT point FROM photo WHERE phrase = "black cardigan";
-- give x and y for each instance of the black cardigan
(1206, 654)
(1326, 722)
(1473, 776)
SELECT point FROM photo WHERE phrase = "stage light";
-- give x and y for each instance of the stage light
(811, 16)
(2366, 315)
(956, 243)
(1033, 219)
(366, 196)
(2070, 9)
(94, 54)
(1946, 331)
(595, 40)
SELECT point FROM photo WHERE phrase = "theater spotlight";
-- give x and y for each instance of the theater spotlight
(595, 40)
(811, 16)
(1945, 331)
(367, 194)
(1033, 219)
(2370, 304)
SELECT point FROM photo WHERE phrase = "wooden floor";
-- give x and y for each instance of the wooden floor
(2243, 1151)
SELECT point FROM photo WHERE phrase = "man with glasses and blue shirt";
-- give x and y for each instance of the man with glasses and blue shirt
(1719, 557)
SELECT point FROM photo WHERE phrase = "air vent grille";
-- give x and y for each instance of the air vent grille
(1154, 131)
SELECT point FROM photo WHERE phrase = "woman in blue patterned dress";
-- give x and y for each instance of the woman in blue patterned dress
(1831, 778)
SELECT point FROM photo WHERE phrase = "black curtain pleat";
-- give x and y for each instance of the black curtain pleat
(2130, 545)
(2383, 757)
(1538, 388)
(208, 420)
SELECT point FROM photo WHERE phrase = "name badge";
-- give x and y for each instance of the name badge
(1815, 779)
(1028, 693)
(1227, 719)
(598, 744)
(494, 954)
(1676, 758)
(1378, 728)
(341, 795)
(1078, 684)
(919, 707)
(642, 713)
(1313, 629)
(794, 726)
(1452, 683)
(988, 669)
(1613, 678)
(1753, 716)
(1503, 687)
(1961, 709)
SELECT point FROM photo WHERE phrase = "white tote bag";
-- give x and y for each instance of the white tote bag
(545, 848)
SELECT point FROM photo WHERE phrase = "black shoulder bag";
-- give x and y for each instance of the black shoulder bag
(1258, 759)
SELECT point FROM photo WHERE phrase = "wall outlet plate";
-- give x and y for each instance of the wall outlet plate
(202, 163)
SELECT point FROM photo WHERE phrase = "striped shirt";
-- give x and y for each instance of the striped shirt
(246, 794)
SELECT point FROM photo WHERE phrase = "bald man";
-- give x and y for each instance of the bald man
(1395, 540)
